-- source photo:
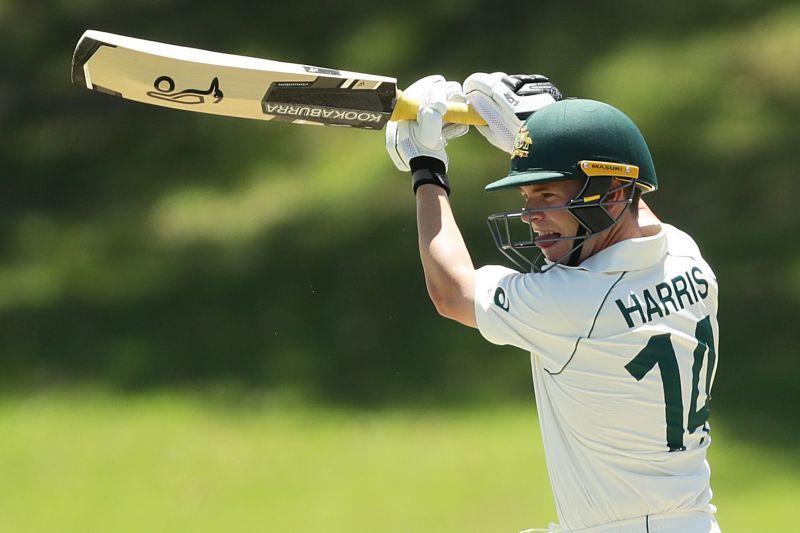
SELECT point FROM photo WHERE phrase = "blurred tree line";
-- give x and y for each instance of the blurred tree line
(142, 247)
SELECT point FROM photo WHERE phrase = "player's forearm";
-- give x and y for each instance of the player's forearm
(449, 273)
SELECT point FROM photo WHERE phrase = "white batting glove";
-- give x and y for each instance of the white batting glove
(428, 135)
(506, 101)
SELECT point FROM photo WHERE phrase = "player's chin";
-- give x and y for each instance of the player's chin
(546, 244)
(554, 250)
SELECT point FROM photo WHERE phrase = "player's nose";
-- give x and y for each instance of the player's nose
(531, 215)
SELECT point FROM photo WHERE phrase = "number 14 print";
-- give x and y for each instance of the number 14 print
(660, 351)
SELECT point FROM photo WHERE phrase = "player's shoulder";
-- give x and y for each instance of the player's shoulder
(563, 298)
(681, 245)
(556, 282)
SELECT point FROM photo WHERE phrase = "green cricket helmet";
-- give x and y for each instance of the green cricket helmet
(574, 139)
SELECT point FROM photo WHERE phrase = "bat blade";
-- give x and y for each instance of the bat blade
(224, 84)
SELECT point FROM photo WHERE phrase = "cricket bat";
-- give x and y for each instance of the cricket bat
(238, 86)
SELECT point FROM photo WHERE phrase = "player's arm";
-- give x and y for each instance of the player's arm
(419, 146)
(449, 272)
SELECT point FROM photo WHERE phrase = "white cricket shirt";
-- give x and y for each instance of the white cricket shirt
(623, 351)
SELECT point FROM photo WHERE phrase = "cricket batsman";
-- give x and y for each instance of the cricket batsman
(617, 309)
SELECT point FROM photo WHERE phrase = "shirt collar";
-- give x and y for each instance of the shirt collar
(631, 254)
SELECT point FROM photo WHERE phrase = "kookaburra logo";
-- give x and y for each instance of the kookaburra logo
(165, 90)
(500, 299)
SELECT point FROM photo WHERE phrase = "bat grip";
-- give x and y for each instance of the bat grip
(406, 108)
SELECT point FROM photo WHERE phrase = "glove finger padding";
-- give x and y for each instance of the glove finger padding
(505, 102)
(427, 136)
(451, 131)
(428, 128)
(393, 147)
(454, 93)
(418, 89)
(430, 115)
(487, 93)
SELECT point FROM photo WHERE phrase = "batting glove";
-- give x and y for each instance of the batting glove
(427, 136)
(506, 101)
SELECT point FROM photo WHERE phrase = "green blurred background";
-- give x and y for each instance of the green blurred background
(210, 324)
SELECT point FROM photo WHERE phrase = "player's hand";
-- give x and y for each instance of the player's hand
(427, 136)
(506, 101)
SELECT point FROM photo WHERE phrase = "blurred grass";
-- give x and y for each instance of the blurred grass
(223, 461)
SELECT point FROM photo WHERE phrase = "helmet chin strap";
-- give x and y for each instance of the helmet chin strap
(575, 257)
(587, 208)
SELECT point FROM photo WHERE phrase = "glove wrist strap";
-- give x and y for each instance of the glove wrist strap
(428, 170)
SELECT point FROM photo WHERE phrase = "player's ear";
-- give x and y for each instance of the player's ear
(618, 193)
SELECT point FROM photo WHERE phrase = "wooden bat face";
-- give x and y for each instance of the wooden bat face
(223, 84)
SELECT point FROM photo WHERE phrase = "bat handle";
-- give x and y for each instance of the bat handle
(406, 109)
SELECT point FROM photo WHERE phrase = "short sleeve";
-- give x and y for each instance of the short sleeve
(523, 310)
